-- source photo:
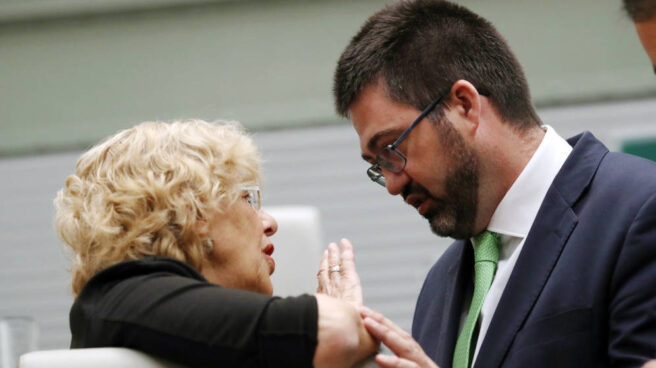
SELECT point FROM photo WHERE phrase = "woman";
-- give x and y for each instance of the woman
(172, 256)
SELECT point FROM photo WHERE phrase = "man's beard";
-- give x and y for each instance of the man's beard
(454, 215)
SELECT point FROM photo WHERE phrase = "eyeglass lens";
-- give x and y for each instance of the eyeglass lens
(376, 175)
(391, 159)
(254, 197)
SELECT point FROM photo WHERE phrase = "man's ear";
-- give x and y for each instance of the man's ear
(465, 101)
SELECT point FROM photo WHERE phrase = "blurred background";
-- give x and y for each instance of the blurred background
(75, 71)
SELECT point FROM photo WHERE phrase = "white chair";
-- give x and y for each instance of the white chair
(93, 357)
(298, 248)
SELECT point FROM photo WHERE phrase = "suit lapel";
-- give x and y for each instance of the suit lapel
(547, 238)
(459, 282)
(539, 255)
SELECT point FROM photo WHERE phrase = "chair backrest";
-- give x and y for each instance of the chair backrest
(299, 246)
(93, 357)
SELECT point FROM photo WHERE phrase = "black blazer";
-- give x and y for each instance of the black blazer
(583, 290)
(165, 308)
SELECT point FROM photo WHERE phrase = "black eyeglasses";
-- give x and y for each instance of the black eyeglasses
(389, 157)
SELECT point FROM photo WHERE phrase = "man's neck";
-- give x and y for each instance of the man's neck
(502, 160)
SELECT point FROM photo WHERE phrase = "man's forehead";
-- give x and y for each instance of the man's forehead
(376, 118)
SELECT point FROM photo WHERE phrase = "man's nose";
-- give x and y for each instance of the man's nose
(395, 182)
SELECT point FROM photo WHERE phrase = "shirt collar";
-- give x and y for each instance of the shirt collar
(517, 210)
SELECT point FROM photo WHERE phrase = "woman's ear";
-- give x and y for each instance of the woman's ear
(202, 230)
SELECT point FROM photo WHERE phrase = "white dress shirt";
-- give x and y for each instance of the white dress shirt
(514, 217)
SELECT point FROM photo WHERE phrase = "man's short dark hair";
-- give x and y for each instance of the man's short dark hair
(421, 47)
(640, 10)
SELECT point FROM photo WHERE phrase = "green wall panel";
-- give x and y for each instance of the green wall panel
(644, 148)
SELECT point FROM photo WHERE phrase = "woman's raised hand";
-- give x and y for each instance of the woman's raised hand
(337, 275)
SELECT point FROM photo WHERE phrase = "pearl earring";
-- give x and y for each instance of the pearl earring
(208, 243)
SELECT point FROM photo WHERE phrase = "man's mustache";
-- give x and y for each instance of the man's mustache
(415, 188)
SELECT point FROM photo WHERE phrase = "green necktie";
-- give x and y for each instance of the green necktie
(486, 256)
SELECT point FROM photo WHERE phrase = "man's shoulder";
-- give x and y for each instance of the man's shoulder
(624, 165)
(586, 147)
(605, 174)
(625, 178)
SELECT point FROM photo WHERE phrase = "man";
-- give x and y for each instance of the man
(643, 14)
(554, 262)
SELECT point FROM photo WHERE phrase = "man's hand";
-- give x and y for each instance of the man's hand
(408, 352)
(337, 275)
(650, 364)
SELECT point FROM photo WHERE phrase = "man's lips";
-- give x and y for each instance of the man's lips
(419, 201)
(423, 207)
(268, 251)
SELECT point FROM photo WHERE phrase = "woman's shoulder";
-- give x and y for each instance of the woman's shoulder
(132, 274)
(148, 266)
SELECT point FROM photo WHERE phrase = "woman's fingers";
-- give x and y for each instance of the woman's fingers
(348, 258)
(334, 268)
(322, 275)
(352, 289)
(337, 275)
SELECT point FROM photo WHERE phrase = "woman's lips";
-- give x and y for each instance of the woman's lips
(268, 251)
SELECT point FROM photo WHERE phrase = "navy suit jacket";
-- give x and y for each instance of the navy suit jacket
(583, 290)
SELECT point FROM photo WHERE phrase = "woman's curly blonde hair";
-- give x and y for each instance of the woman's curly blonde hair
(149, 191)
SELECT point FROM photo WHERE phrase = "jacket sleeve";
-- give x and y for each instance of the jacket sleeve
(197, 323)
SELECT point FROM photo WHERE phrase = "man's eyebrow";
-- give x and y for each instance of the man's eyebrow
(372, 145)
(367, 158)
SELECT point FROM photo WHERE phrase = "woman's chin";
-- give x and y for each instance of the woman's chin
(268, 289)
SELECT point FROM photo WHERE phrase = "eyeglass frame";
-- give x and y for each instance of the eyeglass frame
(374, 172)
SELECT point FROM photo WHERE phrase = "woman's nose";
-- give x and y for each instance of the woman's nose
(269, 223)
